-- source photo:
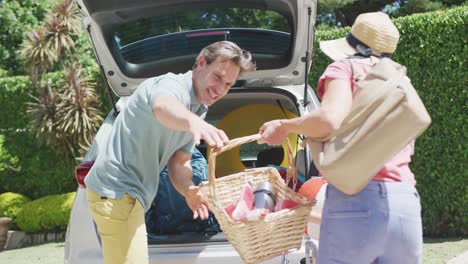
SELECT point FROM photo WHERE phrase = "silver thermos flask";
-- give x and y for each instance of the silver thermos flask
(264, 196)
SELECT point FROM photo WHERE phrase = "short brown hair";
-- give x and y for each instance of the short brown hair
(228, 51)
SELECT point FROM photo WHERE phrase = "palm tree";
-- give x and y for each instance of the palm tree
(40, 57)
(64, 114)
(43, 111)
(67, 12)
(79, 117)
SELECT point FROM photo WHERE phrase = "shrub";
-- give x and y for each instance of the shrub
(433, 46)
(11, 204)
(30, 168)
(37, 170)
(3, 73)
(7, 161)
(49, 213)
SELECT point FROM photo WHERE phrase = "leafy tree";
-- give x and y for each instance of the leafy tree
(63, 114)
(420, 6)
(344, 12)
(17, 17)
(346, 15)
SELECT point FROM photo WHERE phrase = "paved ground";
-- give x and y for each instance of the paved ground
(453, 251)
(436, 251)
(51, 253)
(461, 259)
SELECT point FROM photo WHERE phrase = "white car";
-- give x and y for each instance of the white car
(135, 40)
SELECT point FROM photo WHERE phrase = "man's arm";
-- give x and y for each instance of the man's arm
(173, 114)
(180, 174)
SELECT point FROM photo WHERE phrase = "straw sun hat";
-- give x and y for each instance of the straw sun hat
(371, 34)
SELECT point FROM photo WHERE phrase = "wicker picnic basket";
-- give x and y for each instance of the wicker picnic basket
(257, 240)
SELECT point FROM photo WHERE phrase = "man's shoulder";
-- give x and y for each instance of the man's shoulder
(178, 85)
(172, 77)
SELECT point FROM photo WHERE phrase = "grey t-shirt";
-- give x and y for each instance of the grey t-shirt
(139, 146)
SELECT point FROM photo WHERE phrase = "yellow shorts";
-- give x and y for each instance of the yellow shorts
(121, 225)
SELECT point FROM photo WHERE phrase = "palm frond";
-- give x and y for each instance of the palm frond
(58, 35)
(36, 51)
(67, 12)
(43, 113)
(79, 116)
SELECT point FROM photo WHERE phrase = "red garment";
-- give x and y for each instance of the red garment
(243, 209)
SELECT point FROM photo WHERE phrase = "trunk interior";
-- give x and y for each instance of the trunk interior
(240, 113)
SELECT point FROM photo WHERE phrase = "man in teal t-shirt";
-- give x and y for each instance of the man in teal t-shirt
(161, 124)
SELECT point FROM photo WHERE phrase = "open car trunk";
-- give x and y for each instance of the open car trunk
(240, 113)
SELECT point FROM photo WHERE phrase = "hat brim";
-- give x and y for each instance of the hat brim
(337, 49)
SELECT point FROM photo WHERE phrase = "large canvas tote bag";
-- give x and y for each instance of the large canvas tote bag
(386, 115)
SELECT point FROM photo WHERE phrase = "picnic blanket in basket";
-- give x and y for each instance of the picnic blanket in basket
(276, 233)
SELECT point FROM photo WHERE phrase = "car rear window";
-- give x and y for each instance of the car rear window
(178, 33)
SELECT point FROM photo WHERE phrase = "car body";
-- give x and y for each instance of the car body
(135, 40)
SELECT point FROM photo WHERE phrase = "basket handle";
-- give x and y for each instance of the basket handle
(291, 172)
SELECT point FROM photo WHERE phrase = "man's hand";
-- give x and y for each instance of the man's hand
(180, 173)
(173, 114)
(272, 133)
(200, 129)
(197, 202)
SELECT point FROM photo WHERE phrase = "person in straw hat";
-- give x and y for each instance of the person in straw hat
(382, 223)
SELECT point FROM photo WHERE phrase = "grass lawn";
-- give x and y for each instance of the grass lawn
(435, 251)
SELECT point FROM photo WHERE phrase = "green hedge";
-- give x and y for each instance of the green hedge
(38, 170)
(434, 48)
(49, 213)
(13, 96)
(28, 167)
(11, 204)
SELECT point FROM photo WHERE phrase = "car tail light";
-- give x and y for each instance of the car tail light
(81, 171)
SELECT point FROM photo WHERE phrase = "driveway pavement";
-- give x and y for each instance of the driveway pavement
(460, 259)
(51, 253)
(436, 251)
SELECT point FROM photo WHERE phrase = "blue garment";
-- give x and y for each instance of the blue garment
(138, 146)
(170, 213)
(381, 224)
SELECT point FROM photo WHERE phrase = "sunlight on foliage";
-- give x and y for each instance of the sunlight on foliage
(79, 117)
(63, 114)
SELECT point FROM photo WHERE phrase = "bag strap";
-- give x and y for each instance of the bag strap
(357, 77)
(355, 65)
(358, 117)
